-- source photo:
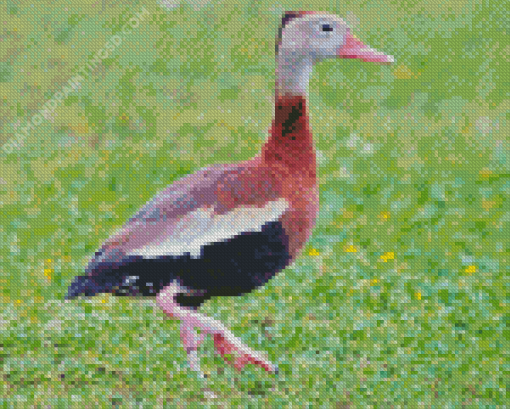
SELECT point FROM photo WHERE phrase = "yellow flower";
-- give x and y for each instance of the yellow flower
(388, 256)
(403, 72)
(471, 269)
(313, 252)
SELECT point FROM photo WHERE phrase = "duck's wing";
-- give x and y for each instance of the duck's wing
(211, 205)
(158, 217)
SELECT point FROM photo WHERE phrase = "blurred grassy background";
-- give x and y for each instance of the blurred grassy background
(401, 299)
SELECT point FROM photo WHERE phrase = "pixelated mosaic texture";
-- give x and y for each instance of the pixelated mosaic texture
(399, 299)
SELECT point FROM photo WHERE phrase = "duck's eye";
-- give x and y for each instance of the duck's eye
(326, 27)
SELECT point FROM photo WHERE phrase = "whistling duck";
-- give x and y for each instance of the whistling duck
(226, 230)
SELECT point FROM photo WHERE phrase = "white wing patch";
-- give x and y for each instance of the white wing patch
(202, 226)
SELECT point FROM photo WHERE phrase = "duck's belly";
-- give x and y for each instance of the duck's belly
(240, 264)
(225, 268)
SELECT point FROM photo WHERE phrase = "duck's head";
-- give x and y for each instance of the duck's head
(318, 36)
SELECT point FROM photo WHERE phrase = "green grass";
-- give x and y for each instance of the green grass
(401, 298)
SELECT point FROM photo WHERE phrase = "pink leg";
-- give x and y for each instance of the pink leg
(224, 347)
(190, 341)
(225, 341)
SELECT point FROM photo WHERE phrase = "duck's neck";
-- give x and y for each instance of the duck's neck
(290, 144)
(293, 74)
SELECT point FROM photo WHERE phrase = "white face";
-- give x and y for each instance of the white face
(318, 36)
